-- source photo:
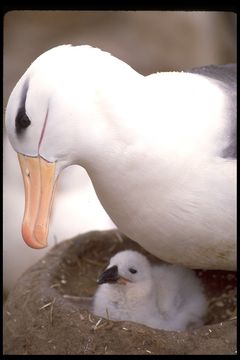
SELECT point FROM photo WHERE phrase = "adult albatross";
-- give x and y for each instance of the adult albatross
(160, 150)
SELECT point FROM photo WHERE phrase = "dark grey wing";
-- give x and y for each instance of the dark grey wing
(226, 78)
(224, 73)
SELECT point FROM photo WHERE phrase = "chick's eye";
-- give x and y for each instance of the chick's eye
(133, 271)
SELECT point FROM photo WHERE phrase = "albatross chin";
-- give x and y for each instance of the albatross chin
(160, 150)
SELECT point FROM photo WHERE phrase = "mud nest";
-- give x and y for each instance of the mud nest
(48, 310)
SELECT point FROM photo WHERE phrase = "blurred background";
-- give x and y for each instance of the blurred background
(149, 41)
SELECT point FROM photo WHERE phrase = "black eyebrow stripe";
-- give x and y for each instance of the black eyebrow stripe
(21, 108)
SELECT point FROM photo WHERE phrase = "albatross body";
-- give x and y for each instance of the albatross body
(159, 149)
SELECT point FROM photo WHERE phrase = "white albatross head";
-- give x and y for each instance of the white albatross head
(55, 118)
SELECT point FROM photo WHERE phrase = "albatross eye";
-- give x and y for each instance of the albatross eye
(22, 121)
(132, 270)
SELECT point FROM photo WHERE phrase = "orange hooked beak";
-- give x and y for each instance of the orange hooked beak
(39, 184)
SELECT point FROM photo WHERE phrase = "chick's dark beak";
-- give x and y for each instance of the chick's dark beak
(109, 276)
